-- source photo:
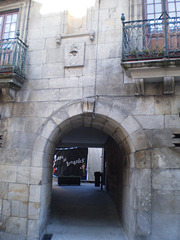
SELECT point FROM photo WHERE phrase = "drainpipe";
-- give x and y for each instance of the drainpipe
(95, 81)
(27, 25)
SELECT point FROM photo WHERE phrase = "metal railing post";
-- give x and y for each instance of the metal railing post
(123, 37)
(165, 28)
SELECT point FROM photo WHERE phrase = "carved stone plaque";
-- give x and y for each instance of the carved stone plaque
(74, 55)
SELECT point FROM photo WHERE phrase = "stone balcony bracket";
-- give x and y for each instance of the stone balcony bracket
(9, 84)
(157, 70)
(138, 87)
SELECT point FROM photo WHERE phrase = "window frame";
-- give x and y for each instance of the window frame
(4, 14)
(145, 13)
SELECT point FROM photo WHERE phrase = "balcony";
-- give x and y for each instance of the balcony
(12, 65)
(151, 49)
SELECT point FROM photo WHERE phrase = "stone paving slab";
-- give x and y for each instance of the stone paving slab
(83, 212)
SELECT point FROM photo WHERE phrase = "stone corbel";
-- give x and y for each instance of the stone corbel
(92, 35)
(168, 85)
(58, 39)
(138, 87)
(9, 94)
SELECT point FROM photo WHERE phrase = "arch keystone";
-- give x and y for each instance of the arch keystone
(88, 105)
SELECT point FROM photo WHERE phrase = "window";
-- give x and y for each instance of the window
(154, 8)
(163, 31)
(8, 25)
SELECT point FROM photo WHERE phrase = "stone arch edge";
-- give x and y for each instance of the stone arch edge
(133, 132)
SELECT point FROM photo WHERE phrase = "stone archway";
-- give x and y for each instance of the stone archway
(128, 135)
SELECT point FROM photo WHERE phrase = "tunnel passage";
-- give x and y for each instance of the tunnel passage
(125, 138)
(113, 163)
(76, 142)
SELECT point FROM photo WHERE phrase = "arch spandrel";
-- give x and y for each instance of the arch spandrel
(118, 123)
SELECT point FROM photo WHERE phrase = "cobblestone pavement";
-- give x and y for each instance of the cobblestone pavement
(83, 213)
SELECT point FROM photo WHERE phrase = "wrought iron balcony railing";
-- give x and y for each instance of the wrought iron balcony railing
(12, 56)
(151, 38)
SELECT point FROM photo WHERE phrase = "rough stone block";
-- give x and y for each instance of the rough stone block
(48, 128)
(109, 24)
(162, 105)
(36, 44)
(44, 109)
(165, 158)
(16, 225)
(162, 138)
(40, 144)
(151, 122)
(45, 95)
(172, 121)
(143, 224)
(166, 179)
(60, 116)
(34, 71)
(15, 124)
(23, 174)
(50, 43)
(50, 147)
(143, 199)
(34, 210)
(47, 175)
(3, 190)
(15, 209)
(36, 175)
(24, 110)
(37, 159)
(143, 178)
(54, 55)
(144, 105)
(118, 114)
(35, 192)
(23, 140)
(175, 105)
(23, 209)
(1, 201)
(17, 156)
(73, 72)
(165, 226)
(37, 57)
(105, 4)
(130, 125)
(33, 228)
(6, 208)
(19, 192)
(52, 70)
(8, 173)
(70, 93)
(139, 140)
(109, 67)
(33, 124)
(142, 159)
(165, 201)
(102, 108)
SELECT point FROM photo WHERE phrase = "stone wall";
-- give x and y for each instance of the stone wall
(93, 90)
